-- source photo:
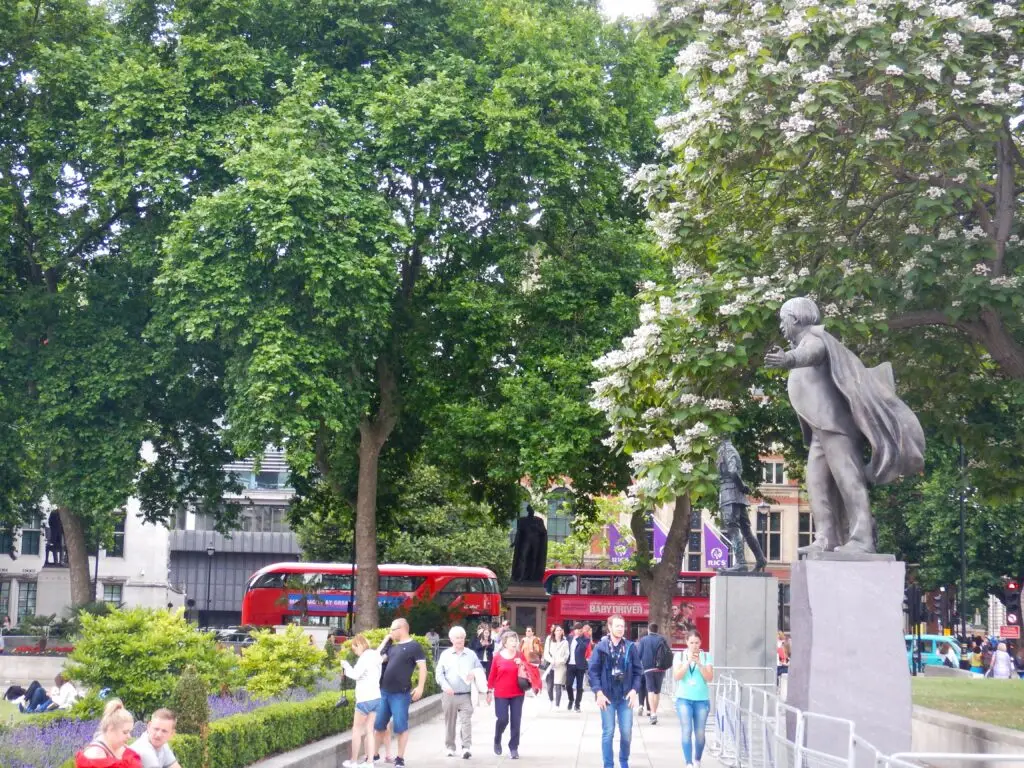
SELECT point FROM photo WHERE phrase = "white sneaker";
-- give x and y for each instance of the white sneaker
(350, 764)
(450, 752)
(367, 763)
(696, 764)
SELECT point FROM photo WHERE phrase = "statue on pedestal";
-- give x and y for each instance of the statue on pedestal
(55, 540)
(732, 501)
(530, 553)
(841, 405)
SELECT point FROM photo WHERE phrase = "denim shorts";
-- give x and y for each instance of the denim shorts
(368, 707)
(393, 706)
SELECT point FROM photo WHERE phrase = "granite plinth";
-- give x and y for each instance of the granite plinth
(744, 624)
(849, 659)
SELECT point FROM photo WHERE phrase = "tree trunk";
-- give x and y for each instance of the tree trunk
(78, 558)
(659, 581)
(373, 434)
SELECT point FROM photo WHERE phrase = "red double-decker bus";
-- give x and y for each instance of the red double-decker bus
(283, 592)
(590, 595)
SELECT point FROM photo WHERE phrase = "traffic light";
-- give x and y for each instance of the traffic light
(1011, 599)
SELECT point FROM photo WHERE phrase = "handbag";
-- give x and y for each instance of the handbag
(523, 679)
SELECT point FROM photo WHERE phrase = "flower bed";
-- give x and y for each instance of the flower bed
(35, 650)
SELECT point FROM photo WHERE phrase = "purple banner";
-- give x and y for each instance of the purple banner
(716, 551)
(620, 546)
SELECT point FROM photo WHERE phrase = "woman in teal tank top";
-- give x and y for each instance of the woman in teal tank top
(692, 673)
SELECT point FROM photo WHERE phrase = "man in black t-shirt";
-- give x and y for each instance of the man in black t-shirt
(402, 657)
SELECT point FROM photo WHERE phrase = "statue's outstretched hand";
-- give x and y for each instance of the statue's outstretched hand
(775, 359)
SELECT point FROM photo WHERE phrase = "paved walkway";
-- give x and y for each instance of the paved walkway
(553, 739)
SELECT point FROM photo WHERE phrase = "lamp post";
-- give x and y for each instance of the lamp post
(209, 578)
(962, 592)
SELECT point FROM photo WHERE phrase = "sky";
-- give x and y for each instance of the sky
(613, 8)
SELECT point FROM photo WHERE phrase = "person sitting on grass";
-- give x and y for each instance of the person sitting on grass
(61, 696)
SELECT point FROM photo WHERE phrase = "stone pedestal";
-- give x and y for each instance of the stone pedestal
(849, 659)
(527, 607)
(53, 591)
(744, 626)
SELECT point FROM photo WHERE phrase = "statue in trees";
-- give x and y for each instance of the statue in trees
(841, 404)
(530, 549)
(55, 540)
(732, 501)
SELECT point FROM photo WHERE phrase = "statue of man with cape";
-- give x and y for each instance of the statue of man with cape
(841, 405)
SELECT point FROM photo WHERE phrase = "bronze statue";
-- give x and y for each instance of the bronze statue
(55, 540)
(732, 501)
(841, 404)
(530, 554)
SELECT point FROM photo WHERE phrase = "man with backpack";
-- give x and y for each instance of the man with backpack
(655, 658)
(615, 673)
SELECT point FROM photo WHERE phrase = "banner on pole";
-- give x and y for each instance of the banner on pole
(716, 551)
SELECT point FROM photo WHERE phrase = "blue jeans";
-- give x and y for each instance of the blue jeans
(693, 716)
(617, 708)
(393, 705)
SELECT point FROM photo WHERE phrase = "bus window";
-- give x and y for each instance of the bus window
(400, 583)
(493, 586)
(268, 581)
(704, 587)
(638, 588)
(336, 581)
(476, 586)
(687, 587)
(620, 586)
(452, 590)
(564, 584)
(595, 585)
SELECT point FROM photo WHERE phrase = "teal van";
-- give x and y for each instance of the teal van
(930, 649)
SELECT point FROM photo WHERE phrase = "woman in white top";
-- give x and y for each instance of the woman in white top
(1002, 664)
(366, 673)
(556, 654)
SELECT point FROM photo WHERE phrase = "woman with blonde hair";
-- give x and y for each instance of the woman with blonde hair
(109, 749)
(366, 673)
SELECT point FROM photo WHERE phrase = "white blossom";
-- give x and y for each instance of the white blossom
(893, 70)
(934, 192)
(1003, 10)
(981, 269)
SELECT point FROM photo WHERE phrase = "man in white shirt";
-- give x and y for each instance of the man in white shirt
(455, 672)
(152, 746)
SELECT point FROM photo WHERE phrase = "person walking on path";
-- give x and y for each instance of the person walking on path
(655, 658)
(109, 748)
(530, 646)
(152, 747)
(615, 673)
(578, 647)
(483, 646)
(556, 656)
(692, 673)
(366, 673)
(504, 685)
(455, 673)
(1002, 664)
(403, 656)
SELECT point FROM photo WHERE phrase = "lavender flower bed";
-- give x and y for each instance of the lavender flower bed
(49, 745)
(25, 745)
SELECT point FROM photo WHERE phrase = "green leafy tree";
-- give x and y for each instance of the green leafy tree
(140, 653)
(190, 702)
(585, 530)
(411, 240)
(276, 662)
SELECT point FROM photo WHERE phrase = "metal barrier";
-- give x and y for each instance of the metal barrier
(751, 727)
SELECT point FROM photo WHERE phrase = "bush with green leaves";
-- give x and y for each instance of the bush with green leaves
(190, 702)
(376, 636)
(277, 662)
(140, 653)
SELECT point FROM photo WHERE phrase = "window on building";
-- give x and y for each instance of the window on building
(26, 600)
(6, 542)
(116, 548)
(769, 534)
(773, 472)
(5, 598)
(112, 594)
(264, 518)
(693, 544)
(784, 606)
(30, 535)
(559, 514)
(805, 528)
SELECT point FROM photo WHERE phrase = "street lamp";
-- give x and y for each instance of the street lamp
(209, 578)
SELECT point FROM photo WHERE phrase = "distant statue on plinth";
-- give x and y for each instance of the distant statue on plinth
(55, 540)
(530, 552)
(732, 503)
(841, 404)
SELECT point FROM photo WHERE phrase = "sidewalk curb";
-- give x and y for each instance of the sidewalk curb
(330, 752)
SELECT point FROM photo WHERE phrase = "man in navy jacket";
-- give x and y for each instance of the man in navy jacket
(615, 673)
(578, 645)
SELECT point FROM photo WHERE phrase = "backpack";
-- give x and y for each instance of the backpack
(663, 656)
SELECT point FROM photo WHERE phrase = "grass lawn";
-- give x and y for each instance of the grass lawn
(8, 712)
(999, 702)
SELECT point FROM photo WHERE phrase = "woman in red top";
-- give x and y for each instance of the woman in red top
(110, 748)
(503, 684)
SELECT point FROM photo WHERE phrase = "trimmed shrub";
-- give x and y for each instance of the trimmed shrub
(191, 703)
(277, 662)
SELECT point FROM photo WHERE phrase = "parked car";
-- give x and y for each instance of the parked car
(930, 649)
